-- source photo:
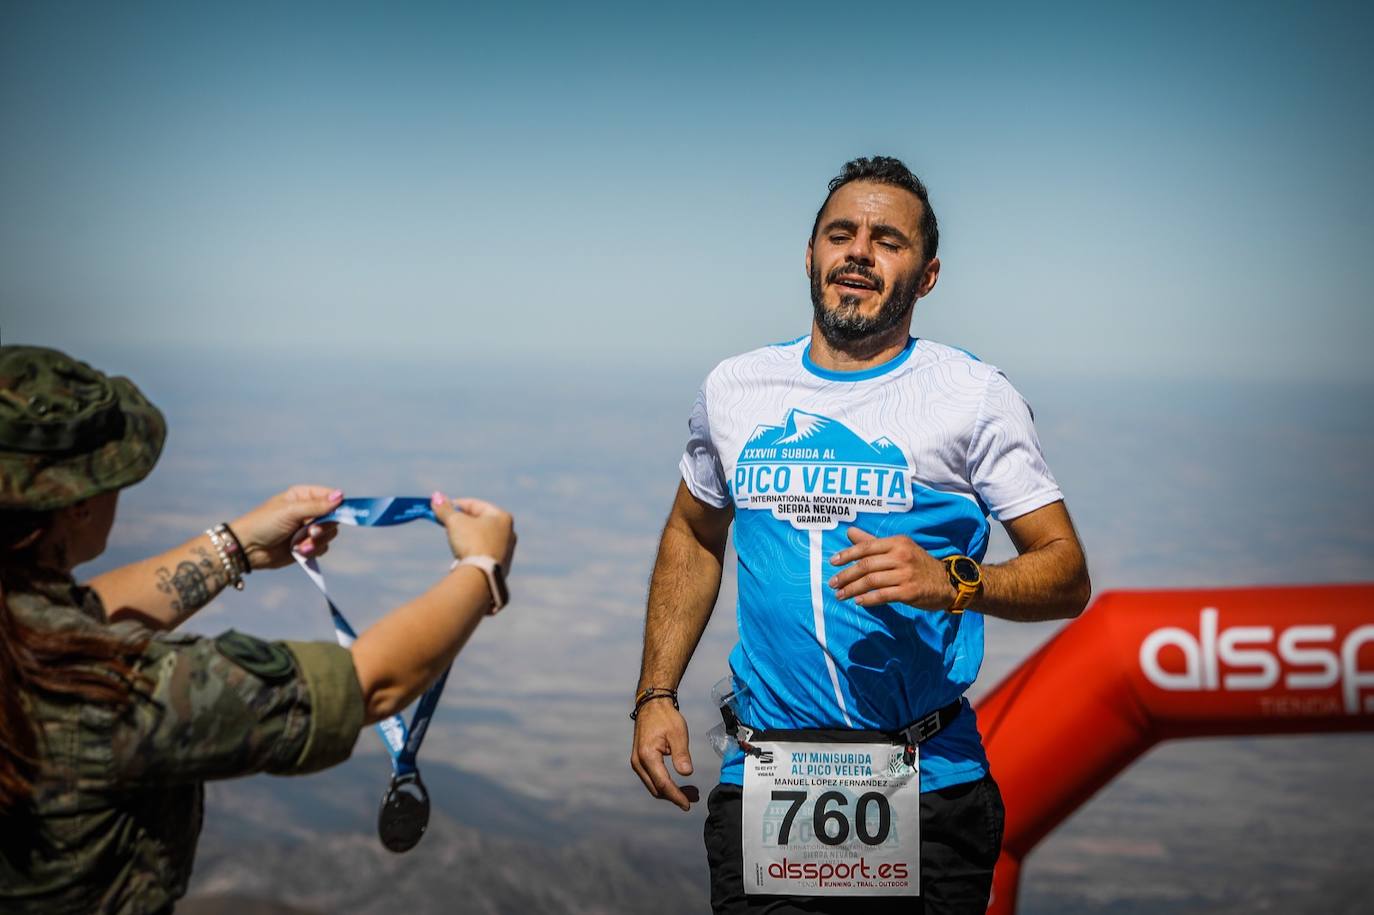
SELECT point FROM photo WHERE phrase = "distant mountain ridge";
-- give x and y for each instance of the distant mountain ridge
(300, 846)
(345, 800)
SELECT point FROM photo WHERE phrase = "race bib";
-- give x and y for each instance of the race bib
(831, 819)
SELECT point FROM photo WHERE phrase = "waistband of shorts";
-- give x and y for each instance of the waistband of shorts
(917, 732)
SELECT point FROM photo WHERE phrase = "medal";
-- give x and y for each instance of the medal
(404, 814)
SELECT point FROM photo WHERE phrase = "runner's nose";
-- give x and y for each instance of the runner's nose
(860, 249)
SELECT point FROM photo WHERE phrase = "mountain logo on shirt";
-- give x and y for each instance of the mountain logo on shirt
(814, 472)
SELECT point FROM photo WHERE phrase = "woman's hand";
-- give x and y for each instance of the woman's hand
(476, 528)
(267, 531)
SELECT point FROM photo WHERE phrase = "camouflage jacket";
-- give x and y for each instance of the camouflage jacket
(117, 805)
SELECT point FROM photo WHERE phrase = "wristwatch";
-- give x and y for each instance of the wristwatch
(966, 577)
(496, 579)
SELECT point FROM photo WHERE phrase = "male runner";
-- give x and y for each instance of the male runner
(859, 466)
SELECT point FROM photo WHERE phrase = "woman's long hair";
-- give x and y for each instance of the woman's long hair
(81, 665)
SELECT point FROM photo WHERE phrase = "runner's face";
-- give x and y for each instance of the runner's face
(866, 263)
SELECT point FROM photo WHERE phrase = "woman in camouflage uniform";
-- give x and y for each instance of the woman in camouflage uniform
(109, 721)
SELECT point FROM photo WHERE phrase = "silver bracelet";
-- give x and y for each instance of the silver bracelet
(221, 541)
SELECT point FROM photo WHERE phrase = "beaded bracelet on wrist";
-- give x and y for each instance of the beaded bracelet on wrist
(221, 543)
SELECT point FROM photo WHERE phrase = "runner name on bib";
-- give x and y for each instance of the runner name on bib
(831, 819)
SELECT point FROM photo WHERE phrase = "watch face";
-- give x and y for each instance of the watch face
(966, 570)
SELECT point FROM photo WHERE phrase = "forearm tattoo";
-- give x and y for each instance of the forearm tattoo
(194, 583)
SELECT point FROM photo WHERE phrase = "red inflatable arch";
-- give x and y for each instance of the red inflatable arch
(1144, 666)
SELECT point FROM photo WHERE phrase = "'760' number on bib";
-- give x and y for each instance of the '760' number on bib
(829, 824)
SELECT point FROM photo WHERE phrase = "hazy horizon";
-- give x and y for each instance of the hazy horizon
(1149, 190)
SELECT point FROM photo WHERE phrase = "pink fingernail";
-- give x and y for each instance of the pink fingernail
(437, 498)
(306, 548)
(336, 495)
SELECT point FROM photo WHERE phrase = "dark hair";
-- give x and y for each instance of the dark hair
(83, 665)
(887, 170)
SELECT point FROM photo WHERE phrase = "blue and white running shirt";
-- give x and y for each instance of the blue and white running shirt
(927, 445)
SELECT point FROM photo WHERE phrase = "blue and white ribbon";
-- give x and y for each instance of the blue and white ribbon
(401, 742)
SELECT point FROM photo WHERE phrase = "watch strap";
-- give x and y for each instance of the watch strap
(964, 593)
(496, 579)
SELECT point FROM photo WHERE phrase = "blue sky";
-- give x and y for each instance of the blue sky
(1162, 191)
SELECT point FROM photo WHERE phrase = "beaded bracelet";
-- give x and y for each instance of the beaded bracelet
(221, 542)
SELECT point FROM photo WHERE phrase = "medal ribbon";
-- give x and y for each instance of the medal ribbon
(402, 743)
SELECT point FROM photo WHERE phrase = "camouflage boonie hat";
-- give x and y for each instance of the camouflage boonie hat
(68, 432)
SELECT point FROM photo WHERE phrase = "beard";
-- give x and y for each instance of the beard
(843, 326)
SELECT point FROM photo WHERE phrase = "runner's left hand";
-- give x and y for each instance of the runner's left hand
(884, 570)
(661, 731)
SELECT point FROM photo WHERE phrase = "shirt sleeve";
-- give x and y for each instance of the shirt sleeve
(206, 708)
(1005, 463)
(700, 465)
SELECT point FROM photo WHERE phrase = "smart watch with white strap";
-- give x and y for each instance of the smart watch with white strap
(496, 579)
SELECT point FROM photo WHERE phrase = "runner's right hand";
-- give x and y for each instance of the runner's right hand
(476, 528)
(660, 730)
